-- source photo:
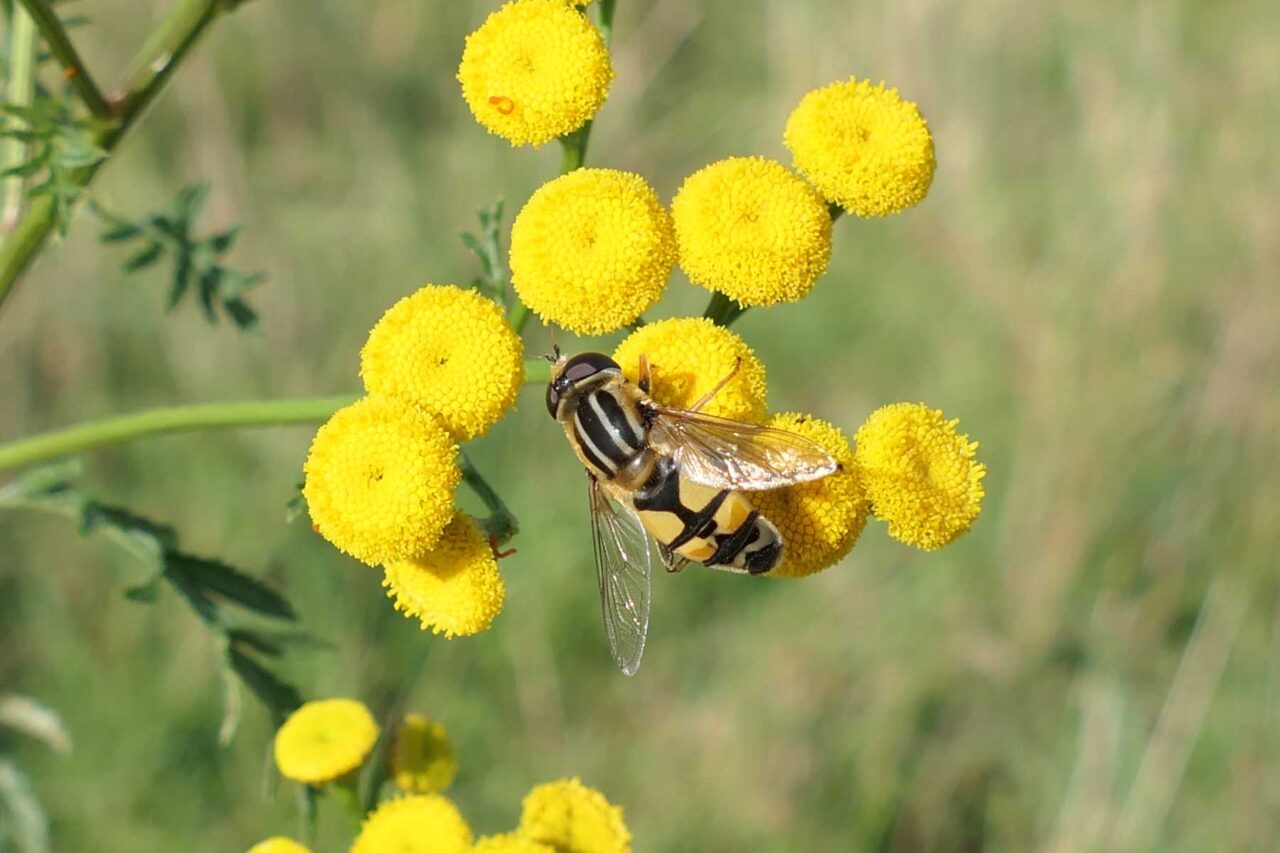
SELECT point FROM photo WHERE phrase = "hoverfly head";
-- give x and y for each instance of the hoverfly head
(570, 375)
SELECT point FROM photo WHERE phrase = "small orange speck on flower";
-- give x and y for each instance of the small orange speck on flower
(69, 72)
(505, 105)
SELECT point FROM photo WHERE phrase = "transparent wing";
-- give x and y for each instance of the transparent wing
(734, 455)
(622, 568)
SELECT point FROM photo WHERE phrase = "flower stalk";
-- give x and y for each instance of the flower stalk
(722, 310)
(163, 53)
(501, 523)
(95, 434)
(74, 70)
(21, 88)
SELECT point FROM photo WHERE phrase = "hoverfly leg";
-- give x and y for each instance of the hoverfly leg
(706, 398)
(493, 546)
(644, 374)
(670, 560)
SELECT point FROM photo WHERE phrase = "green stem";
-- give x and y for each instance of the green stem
(574, 144)
(74, 69)
(344, 791)
(722, 310)
(501, 522)
(88, 436)
(155, 64)
(13, 152)
(518, 316)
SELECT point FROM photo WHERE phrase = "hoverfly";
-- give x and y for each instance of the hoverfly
(673, 475)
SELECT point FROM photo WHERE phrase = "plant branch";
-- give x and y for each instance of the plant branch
(501, 523)
(89, 436)
(155, 64)
(13, 152)
(73, 67)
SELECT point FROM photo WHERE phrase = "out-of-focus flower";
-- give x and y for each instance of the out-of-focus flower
(920, 474)
(454, 588)
(573, 818)
(279, 844)
(324, 740)
(449, 351)
(688, 356)
(421, 824)
(819, 520)
(862, 146)
(380, 479)
(535, 70)
(753, 230)
(421, 759)
(591, 250)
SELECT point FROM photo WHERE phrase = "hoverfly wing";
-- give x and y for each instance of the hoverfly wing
(622, 569)
(731, 454)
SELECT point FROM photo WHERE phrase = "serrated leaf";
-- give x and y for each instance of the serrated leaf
(26, 715)
(223, 240)
(143, 259)
(145, 592)
(255, 641)
(280, 696)
(204, 606)
(42, 481)
(229, 583)
(120, 233)
(234, 283)
(240, 313)
(99, 514)
(208, 291)
(190, 202)
(25, 169)
(29, 114)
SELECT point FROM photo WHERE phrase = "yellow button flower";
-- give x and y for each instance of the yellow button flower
(920, 474)
(862, 146)
(820, 520)
(421, 759)
(423, 824)
(510, 843)
(380, 479)
(687, 357)
(449, 351)
(279, 844)
(573, 818)
(455, 588)
(535, 70)
(591, 250)
(325, 739)
(751, 229)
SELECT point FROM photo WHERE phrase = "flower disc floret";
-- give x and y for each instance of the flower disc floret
(591, 250)
(535, 70)
(862, 146)
(510, 842)
(450, 352)
(688, 356)
(752, 229)
(573, 818)
(422, 824)
(920, 474)
(325, 739)
(820, 520)
(380, 478)
(421, 758)
(279, 844)
(454, 588)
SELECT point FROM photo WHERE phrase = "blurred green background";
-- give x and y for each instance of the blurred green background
(1090, 287)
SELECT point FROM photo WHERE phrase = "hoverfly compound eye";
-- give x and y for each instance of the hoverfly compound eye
(587, 364)
(553, 398)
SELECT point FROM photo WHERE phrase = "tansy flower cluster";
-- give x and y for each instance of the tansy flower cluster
(326, 744)
(441, 366)
(593, 249)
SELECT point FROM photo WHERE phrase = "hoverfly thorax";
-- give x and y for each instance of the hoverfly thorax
(572, 377)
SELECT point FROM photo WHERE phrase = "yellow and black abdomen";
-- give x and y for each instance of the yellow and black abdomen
(715, 527)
